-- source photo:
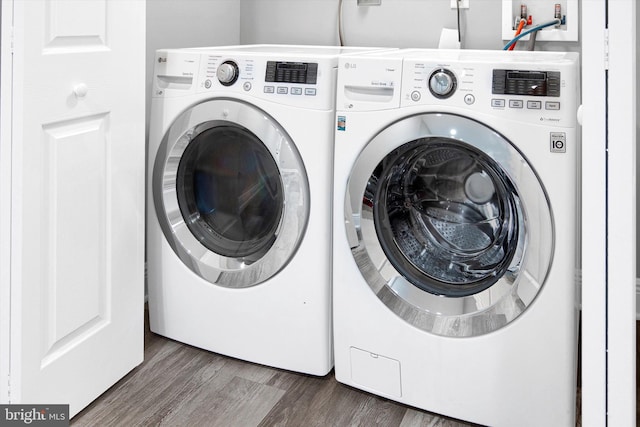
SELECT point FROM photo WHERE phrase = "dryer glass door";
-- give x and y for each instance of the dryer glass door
(230, 192)
(456, 232)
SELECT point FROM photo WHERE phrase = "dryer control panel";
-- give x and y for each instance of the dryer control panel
(293, 82)
(292, 72)
(287, 78)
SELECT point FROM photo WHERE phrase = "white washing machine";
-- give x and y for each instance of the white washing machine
(455, 228)
(239, 202)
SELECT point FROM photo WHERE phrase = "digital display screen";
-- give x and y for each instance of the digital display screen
(292, 72)
(533, 83)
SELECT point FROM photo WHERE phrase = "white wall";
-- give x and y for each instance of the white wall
(396, 23)
(189, 23)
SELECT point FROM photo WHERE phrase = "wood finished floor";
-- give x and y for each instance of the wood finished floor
(179, 385)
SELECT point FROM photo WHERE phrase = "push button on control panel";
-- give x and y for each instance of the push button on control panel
(285, 90)
(520, 104)
(534, 105)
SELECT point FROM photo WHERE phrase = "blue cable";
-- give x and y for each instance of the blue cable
(531, 30)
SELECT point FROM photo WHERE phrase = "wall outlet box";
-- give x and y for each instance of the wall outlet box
(369, 2)
(463, 4)
(542, 11)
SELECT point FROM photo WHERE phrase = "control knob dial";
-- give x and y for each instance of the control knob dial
(442, 83)
(227, 73)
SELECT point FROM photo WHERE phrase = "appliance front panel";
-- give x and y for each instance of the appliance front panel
(231, 193)
(452, 228)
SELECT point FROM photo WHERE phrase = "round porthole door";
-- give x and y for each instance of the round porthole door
(455, 230)
(231, 193)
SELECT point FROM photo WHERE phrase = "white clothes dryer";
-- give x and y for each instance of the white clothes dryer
(455, 232)
(239, 201)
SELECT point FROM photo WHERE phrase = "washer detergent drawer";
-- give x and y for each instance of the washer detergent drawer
(375, 372)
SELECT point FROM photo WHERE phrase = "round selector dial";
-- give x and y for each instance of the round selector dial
(442, 83)
(227, 73)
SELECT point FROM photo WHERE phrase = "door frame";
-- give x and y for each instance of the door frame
(608, 255)
(6, 89)
(621, 214)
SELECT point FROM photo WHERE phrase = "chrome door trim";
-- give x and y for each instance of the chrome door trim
(461, 316)
(221, 270)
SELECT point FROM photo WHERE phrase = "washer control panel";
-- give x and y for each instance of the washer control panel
(510, 86)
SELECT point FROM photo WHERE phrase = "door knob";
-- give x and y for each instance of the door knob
(80, 90)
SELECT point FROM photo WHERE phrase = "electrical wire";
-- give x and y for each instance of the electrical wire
(531, 30)
(518, 31)
(340, 35)
(458, 9)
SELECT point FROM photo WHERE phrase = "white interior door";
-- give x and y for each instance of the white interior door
(77, 198)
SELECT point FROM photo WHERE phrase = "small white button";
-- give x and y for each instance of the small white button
(534, 105)
(415, 95)
(247, 86)
(469, 99)
(551, 105)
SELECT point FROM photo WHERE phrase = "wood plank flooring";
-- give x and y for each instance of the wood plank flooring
(179, 385)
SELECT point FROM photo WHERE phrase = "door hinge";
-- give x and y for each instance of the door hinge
(606, 48)
(12, 40)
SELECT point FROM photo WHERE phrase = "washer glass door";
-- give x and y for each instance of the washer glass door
(227, 179)
(455, 232)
